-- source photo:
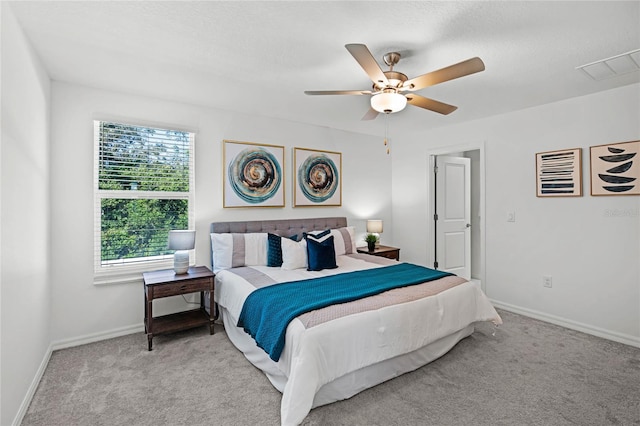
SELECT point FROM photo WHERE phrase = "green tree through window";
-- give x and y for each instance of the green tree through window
(144, 189)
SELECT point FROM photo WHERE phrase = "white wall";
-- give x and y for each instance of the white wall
(589, 245)
(82, 310)
(24, 248)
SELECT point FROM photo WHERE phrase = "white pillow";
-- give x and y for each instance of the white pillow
(294, 254)
(234, 250)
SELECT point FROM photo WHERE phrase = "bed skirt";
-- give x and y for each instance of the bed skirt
(350, 384)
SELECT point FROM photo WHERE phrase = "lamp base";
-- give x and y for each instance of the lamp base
(181, 261)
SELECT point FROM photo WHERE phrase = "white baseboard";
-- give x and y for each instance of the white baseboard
(96, 337)
(573, 325)
(32, 388)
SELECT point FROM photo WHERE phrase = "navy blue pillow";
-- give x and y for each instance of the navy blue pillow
(320, 254)
(274, 249)
(317, 236)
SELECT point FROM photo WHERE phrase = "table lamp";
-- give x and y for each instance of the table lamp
(181, 242)
(374, 226)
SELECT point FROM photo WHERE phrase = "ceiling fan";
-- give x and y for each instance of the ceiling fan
(392, 90)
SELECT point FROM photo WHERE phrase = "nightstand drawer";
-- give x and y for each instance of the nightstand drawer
(176, 288)
(389, 254)
(392, 253)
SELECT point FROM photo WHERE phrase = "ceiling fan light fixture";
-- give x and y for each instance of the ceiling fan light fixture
(388, 102)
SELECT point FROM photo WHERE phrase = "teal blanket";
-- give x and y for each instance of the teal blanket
(267, 311)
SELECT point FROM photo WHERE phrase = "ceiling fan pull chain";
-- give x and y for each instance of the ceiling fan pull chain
(386, 132)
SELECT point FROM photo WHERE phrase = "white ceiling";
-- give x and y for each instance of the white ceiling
(259, 57)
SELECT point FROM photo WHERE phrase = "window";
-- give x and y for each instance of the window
(143, 184)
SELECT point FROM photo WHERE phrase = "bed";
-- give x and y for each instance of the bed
(334, 352)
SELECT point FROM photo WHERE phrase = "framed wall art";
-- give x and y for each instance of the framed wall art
(615, 169)
(317, 178)
(559, 173)
(253, 174)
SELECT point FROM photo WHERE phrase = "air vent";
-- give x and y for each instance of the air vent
(613, 66)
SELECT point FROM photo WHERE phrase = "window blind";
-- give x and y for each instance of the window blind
(143, 183)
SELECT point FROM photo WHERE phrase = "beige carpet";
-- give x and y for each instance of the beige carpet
(529, 373)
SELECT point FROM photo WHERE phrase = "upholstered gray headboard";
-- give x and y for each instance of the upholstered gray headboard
(282, 227)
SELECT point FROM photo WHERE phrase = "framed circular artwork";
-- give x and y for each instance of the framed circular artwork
(317, 178)
(253, 175)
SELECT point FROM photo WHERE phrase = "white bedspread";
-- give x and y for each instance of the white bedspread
(318, 355)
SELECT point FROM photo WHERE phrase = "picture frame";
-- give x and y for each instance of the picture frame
(559, 173)
(317, 177)
(615, 169)
(253, 175)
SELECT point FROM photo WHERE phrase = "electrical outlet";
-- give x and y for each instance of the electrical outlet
(511, 216)
(547, 281)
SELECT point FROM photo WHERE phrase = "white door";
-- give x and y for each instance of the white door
(453, 215)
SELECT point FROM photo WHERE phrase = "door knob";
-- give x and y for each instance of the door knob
(468, 225)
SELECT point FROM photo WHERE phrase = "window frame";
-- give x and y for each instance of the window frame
(129, 270)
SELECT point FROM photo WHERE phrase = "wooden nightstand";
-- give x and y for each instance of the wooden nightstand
(167, 283)
(382, 251)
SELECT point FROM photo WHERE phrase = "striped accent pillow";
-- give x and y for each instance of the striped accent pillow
(235, 250)
(343, 239)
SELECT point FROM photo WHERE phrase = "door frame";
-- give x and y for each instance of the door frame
(447, 150)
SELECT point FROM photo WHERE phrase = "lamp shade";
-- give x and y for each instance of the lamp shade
(374, 226)
(388, 102)
(182, 240)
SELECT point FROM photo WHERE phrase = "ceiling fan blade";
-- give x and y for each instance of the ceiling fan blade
(470, 66)
(370, 115)
(430, 104)
(337, 92)
(366, 60)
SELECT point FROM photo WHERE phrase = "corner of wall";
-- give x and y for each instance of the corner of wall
(24, 220)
